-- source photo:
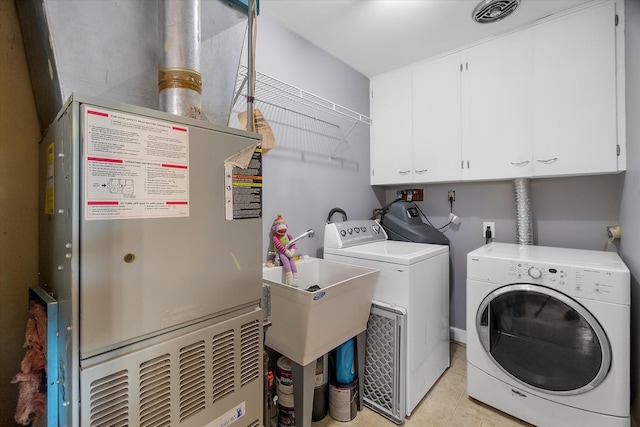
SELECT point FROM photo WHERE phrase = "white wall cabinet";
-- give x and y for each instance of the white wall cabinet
(539, 102)
(437, 135)
(496, 108)
(391, 132)
(574, 94)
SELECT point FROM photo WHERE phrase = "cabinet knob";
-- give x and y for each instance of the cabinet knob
(547, 161)
(524, 162)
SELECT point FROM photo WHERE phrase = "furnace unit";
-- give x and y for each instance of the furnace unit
(158, 293)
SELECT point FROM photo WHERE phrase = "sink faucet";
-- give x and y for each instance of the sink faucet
(274, 254)
(308, 233)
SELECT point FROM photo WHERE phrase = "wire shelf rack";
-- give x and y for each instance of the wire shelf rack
(297, 117)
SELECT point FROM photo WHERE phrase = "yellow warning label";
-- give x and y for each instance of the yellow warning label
(48, 194)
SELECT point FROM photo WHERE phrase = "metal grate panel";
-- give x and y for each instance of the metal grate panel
(223, 365)
(155, 392)
(384, 377)
(109, 401)
(192, 380)
(186, 381)
(250, 353)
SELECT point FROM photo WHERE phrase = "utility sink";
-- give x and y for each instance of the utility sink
(305, 325)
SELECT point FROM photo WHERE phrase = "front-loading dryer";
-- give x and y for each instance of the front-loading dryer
(548, 334)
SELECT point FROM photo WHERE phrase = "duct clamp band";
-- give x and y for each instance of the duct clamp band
(179, 78)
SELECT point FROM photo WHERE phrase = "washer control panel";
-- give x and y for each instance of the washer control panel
(339, 235)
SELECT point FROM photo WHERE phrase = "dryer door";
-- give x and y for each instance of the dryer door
(544, 339)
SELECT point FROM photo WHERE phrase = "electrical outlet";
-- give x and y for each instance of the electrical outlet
(492, 227)
(451, 196)
(411, 195)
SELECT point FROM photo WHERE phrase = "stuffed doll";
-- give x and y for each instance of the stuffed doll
(280, 241)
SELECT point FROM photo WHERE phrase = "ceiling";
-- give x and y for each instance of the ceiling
(376, 36)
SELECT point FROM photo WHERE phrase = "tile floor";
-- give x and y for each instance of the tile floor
(447, 404)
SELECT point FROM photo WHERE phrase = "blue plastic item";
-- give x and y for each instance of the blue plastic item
(345, 362)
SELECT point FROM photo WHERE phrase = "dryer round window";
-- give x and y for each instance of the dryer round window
(561, 348)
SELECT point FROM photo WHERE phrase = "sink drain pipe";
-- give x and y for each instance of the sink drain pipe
(524, 220)
(179, 78)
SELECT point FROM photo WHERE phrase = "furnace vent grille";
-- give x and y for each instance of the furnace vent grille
(223, 365)
(250, 352)
(187, 380)
(155, 392)
(110, 401)
(192, 380)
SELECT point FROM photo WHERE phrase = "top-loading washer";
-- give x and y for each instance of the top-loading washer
(413, 279)
(548, 334)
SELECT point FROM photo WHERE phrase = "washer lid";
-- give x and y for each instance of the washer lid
(391, 251)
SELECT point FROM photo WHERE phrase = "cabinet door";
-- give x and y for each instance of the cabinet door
(575, 93)
(496, 108)
(391, 140)
(436, 120)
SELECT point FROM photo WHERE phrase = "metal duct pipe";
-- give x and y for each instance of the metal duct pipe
(179, 79)
(524, 219)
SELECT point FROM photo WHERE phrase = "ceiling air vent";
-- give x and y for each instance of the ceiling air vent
(488, 11)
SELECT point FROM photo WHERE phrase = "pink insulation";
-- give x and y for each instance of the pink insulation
(32, 402)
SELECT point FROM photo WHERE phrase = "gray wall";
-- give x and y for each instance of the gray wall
(630, 189)
(299, 180)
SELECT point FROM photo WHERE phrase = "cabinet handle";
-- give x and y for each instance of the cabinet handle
(421, 171)
(524, 162)
(404, 172)
(547, 161)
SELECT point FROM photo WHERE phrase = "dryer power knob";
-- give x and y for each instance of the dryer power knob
(535, 273)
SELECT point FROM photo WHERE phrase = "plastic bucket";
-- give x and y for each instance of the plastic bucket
(343, 404)
(286, 414)
(320, 403)
(284, 377)
(322, 371)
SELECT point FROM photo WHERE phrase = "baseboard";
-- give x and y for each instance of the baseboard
(458, 335)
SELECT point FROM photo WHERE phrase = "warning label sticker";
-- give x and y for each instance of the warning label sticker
(135, 167)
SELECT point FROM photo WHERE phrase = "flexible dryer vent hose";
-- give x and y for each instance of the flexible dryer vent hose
(524, 219)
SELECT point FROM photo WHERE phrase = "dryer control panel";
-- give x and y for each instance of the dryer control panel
(595, 275)
(542, 274)
(338, 235)
(580, 282)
